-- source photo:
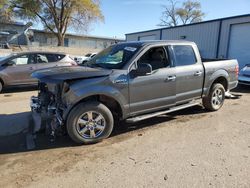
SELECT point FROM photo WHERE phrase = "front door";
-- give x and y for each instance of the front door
(20, 69)
(154, 91)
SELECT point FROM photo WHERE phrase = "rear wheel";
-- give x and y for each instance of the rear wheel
(215, 100)
(90, 122)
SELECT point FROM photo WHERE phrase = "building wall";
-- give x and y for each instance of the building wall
(11, 27)
(45, 39)
(212, 37)
(204, 35)
(136, 36)
(75, 41)
(225, 33)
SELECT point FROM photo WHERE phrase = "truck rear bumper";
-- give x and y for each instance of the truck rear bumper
(232, 85)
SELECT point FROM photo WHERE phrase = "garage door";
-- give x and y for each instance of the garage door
(239, 46)
(148, 37)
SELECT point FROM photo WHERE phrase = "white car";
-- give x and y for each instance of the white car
(244, 75)
(81, 59)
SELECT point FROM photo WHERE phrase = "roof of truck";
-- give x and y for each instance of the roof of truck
(153, 42)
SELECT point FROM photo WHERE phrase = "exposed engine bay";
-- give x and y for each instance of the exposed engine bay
(49, 107)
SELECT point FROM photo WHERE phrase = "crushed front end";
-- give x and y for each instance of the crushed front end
(47, 109)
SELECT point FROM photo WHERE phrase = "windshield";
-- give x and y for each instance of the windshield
(3, 58)
(114, 57)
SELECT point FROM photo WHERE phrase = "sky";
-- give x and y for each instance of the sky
(128, 16)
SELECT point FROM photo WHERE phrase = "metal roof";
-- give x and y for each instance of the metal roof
(153, 42)
(83, 36)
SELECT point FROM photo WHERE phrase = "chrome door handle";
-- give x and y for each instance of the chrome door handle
(171, 78)
(198, 73)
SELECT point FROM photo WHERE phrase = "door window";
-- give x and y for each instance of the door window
(41, 58)
(22, 60)
(51, 58)
(184, 55)
(156, 57)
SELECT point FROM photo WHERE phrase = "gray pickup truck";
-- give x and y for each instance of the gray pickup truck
(130, 81)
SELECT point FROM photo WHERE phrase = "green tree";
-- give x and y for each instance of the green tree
(189, 12)
(5, 13)
(58, 16)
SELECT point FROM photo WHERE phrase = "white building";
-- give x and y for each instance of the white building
(44, 38)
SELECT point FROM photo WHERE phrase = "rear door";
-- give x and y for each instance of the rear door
(46, 61)
(189, 73)
(21, 69)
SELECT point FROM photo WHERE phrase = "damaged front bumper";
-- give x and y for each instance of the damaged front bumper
(45, 118)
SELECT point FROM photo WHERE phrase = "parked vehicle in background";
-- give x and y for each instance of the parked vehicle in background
(82, 59)
(16, 69)
(133, 82)
(244, 75)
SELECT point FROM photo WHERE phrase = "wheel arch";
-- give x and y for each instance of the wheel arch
(221, 80)
(1, 80)
(109, 101)
(221, 77)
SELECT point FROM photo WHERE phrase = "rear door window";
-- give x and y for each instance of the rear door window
(42, 58)
(184, 55)
(51, 57)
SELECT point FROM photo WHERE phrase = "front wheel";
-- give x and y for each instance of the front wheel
(90, 122)
(215, 100)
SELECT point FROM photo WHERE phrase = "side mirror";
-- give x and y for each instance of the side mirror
(143, 69)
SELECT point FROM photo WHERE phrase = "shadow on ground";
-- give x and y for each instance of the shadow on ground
(17, 143)
(13, 129)
(241, 89)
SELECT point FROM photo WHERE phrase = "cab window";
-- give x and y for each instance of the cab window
(183, 55)
(156, 57)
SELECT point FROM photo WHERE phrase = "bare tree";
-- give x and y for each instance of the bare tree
(189, 12)
(169, 15)
(58, 16)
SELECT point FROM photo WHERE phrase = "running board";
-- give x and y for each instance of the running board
(173, 109)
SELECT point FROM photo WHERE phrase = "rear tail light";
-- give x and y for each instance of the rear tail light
(237, 70)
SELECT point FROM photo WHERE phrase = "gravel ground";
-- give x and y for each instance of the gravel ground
(190, 148)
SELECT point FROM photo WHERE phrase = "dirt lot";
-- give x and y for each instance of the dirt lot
(191, 148)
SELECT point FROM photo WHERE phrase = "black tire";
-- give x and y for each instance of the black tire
(210, 102)
(1, 86)
(96, 108)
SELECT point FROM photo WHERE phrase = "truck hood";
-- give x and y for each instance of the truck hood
(61, 74)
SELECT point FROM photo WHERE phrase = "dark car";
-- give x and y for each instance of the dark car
(130, 81)
(16, 69)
